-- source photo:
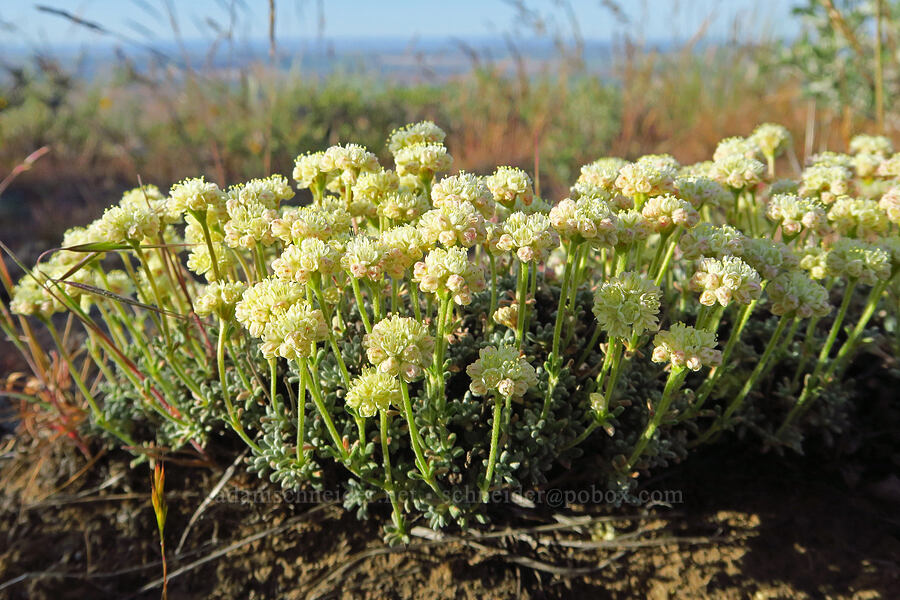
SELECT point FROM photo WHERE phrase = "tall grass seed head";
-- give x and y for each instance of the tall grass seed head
(859, 260)
(529, 236)
(585, 219)
(301, 262)
(399, 347)
(261, 301)
(737, 171)
(364, 258)
(726, 280)
(219, 298)
(464, 187)
(796, 214)
(501, 370)
(293, 332)
(684, 346)
(420, 159)
(423, 132)
(771, 139)
(509, 185)
(449, 271)
(373, 391)
(627, 305)
(455, 222)
(793, 293)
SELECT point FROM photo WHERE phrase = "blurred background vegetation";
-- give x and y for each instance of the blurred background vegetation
(175, 116)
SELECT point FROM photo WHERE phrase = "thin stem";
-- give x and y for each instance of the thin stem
(492, 456)
(521, 299)
(738, 400)
(303, 364)
(354, 283)
(673, 384)
(233, 418)
(416, 440)
(490, 317)
(301, 416)
(388, 478)
(561, 306)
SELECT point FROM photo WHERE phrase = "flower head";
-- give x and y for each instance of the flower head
(631, 226)
(364, 258)
(261, 301)
(771, 139)
(826, 182)
(370, 190)
(399, 347)
(196, 195)
(725, 280)
(372, 391)
(349, 160)
(293, 332)
(856, 259)
(627, 305)
(464, 187)
(646, 177)
(796, 214)
(711, 240)
(132, 224)
(767, 256)
(585, 219)
(269, 192)
(684, 346)
(665, 213)
(449, 272)
(402, 246)
(424, 132)
(249, 224)
(890, 204)
(736, 147)
(503, 370)
(794, 294)
(602, 173)
(323, 222)
(871, 144)
(309, 171)
(858, 217)
(219, 298)
(737, 171)
(702, 191)
(510, 185)
(422, 159)
(404, 206)
(300, 262)
(529, 236)
(455, 222)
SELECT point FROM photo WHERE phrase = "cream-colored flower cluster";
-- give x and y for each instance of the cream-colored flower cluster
(796, 213)
(404, 206)
(197, 195)
(449, 272)
(726, 280)
(424, 132)
(464, 187)
(794, 294)
(586, 219)
(647, 177)
(403, 246)
(858, 260)
(454, 222)
(685, 346)
(300, 262)
(529, 236)
(510, 186)
(712, 240)
(858, 217)
(702, 191)
(627, 305)
(293, 333)
(373, 391)
(422, 159)
(890, 204)
(399, 347)
(330, 220)
(771, 139)
(768, 257)
(736, 146)
(364, 258)
(826, 182)
(665, 213)
(219, 298)
(501, 370)
(737, 171)
(263, 300)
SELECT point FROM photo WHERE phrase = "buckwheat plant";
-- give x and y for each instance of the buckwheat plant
(416, 334)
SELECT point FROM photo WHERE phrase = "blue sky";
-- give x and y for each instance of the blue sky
(20, 21)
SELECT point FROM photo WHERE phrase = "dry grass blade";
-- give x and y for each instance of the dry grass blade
(124, 299)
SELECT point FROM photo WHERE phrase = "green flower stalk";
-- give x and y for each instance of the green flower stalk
(504, 374)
